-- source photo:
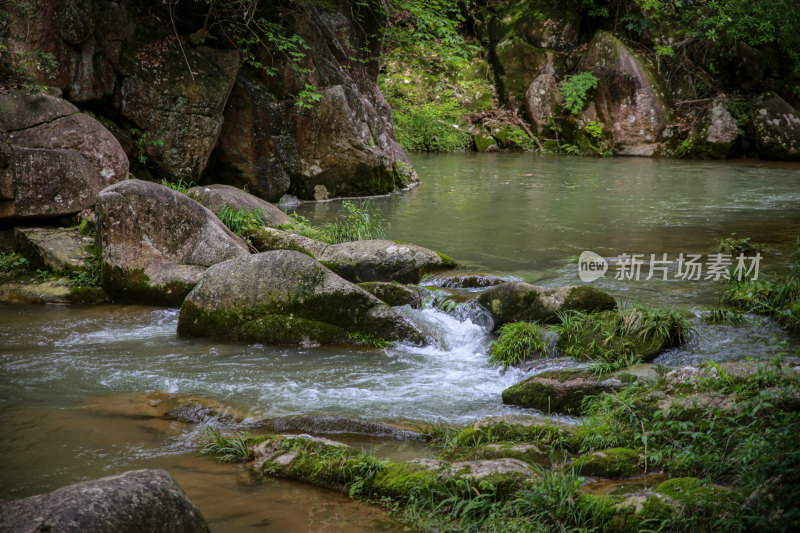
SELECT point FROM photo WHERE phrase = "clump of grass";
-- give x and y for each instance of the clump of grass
(235, 449)
(517, 342)
(241, 220)
(734, 245)
(87, 276)
(647, 323)
(367, 339)
(361, 221)
(719, 315)
(181, 186)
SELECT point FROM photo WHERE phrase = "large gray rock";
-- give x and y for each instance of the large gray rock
(132, 502)
(630, 99)
(382, 260)
(715, 135)
(777, 128)
(266, 239)
(54, 249)
(156, 242)
(179, 112)
(215, 197)
(286, 297)
(54, 160)
(543, 100)
(520, 301)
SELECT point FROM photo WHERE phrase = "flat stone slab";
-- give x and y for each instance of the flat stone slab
(55, 249)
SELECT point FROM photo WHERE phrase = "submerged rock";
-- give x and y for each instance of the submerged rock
(136, 501)
(54, 249)
(215, 197)
(286, 297)
(54, 160)
(156, 242)
(381, 260)
(519, 301)
(393, 294)
(777, 128)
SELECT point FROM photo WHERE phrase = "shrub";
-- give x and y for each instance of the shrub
(242, 219)
(575, 89)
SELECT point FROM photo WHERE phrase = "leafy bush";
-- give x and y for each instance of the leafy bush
(733, 245)
(517, 342)
(242, 219)
(432, 127)
(575, 90)
(13, 264)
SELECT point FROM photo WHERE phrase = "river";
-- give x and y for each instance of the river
(70, 376)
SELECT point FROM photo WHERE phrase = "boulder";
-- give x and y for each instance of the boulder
(484, 142)
(178, 112)
(630, 99)
(132, 502)
(381, 260)
(54, 249)
(714, 137)
(543, 101)
(393, 294)
(559, 391)
(777, 128)
(341, 145)
(156, 242)
(519, 301)
(286, 297)
(54, 160)
(465, 280)
(266, 239)
(35, 292)
(215, 197)
(610, 463)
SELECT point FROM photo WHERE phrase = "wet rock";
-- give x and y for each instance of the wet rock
(640, 372)
(156, 242)
(286, 297)
(630, 99)
(54, 249)
(381, 260)
(465, 280)
(135, 501)
(529, 453)
(777, 128)
(689, 376)
(35, 292)
(484, 142)
(393, 294)
(543, 101)
(714, 137)
(215, 197)
(266, 239)
(519, 301)
(559, 391)
(335, 424)
(54, 160)
(610, 463)
(178, 111)
(487, 468)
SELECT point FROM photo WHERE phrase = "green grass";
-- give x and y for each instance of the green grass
(735, 246)
(517, 341)
(719, 315)
(235, 449)
(359, 221)
(181, 186)
(242, 219)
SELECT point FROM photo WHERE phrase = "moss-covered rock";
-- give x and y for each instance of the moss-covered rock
(522, 302)
(215, 197)
(54, 249)
(612, 463)
(286, 297)
(484, 142)
(465, 280)
(714, 137)
(559, 391)
(393, 294)
(265, 239)
(777, 128)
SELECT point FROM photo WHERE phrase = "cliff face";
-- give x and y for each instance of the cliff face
(312, 123)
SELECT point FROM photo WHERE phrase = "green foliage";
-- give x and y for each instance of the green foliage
(13, 264)
(141, 141)
(362, 221)
(235, 449)
(575, 89)
(517, 342)
(371, 341)
(432, 127)
(181, 186)
(779, 297)
(733, 245)
(308, 97)
(719, 315)
(241, 220)
(88, 276)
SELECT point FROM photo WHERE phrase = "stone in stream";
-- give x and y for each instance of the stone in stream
(466, 280)
(609, 463)
(54, 160)
(215, 197)
(777, 128)
(286, 297)
(393, 294)
(54, 249)
(132, 502)
(266, 239)
(715, 136)
(520, 301)
(156, 242)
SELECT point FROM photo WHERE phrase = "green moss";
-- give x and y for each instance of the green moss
(133, 285)
(611, 462)
(447, 261)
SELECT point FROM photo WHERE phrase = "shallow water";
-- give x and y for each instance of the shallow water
(518, 214)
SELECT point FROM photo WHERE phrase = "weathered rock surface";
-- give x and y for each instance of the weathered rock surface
(335, 424)
(156, 242)
(267, 239)
(610, 463)
(465, 280)
(343, 144)
(215, 197)
(630, 99)
(54, 160)
(714, 137)
(777, 128)
(35, 292)
(381, 260)
(559, 391)
(136, 501)
(393, 294)
(179, 112)
(543, 100)
(54, 249)
(520, 301)
(286, 297)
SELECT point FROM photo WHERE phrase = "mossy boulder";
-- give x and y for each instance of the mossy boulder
(217, 196)
(465, 280)
(522, 302)
(714, 137)
(543, 101)
(558, 391)
(266, 239)
(484, 142)
(54, 249)
(777, 128)
(393, 294)
(611, 463)
(381, 260)
(156, 242)
(286, 297)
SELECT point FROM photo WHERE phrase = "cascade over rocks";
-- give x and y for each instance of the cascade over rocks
(132, 502)
(215, 197)
(286, 297)
(54, 160)
(156, 242)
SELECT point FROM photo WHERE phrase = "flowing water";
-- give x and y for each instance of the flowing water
(69, 375)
